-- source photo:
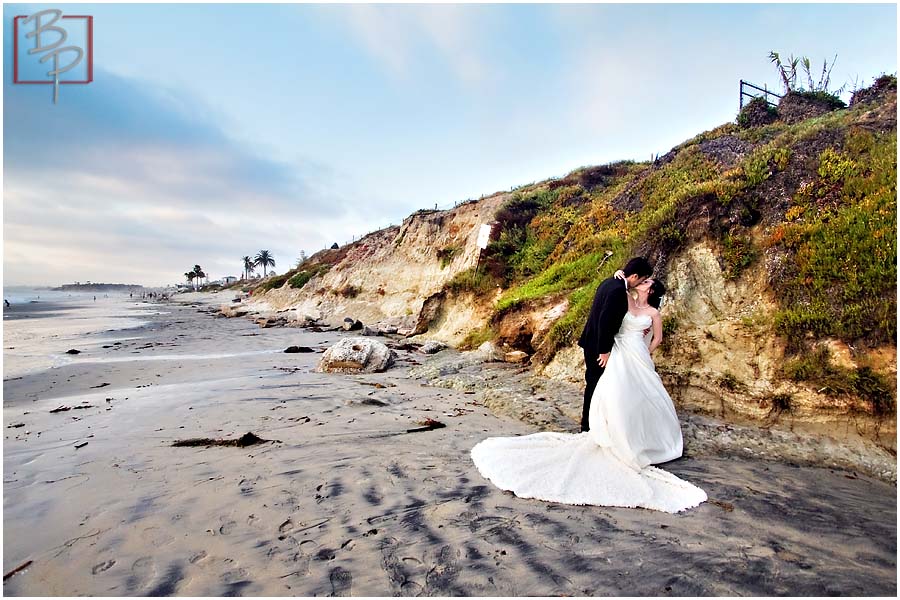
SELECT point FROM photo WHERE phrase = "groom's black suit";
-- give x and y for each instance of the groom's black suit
(607, 311)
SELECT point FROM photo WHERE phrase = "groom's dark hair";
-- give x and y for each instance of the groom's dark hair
(638, 266)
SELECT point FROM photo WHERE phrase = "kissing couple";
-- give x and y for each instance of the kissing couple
(628, 420)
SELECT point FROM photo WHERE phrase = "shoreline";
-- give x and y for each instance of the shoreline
(345, 502)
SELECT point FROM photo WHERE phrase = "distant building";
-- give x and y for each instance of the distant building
(228, 279)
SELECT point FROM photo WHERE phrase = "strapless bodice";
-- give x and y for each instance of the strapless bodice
(632, 324)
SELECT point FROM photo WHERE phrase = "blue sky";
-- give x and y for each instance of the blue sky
(212, 131)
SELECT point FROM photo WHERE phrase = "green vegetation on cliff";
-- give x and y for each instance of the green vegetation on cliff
(815, 199)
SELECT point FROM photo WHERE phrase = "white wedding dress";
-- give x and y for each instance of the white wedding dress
(632, 426)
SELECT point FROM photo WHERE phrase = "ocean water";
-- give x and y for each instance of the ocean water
(40, 325)
(25, 295)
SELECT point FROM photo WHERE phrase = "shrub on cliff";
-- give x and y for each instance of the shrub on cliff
(883, 85)
(757, 112)
(301, 278)
(445, 255)
(795, 107)
(475, 281)
(273, 283)
(816, 367)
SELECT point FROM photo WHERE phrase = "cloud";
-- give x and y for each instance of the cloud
(123, 178)
(632, 80)
(118, 128)
(53, 233)
(398, 36)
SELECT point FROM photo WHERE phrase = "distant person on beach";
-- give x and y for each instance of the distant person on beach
(6, 302)
(633, 420)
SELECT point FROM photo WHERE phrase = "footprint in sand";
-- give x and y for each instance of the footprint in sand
(227, 526)
(397, 574)
(105, 565)
(234, 575)
(285, 528)
(397, 471)
(248, 486)
(411, 588)
(341, 581)
(326, 554)
(297, 563)
(143, 572)
(228, 568)
(373, 497)
(444, 572)
(307, 547)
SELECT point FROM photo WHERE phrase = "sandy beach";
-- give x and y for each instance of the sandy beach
(342, 499)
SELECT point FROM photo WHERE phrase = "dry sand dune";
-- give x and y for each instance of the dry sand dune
(343, 501)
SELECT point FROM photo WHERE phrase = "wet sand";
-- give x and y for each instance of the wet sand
(344, 502)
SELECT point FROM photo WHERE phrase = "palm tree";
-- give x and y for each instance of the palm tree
(198, 274)
(264, 259)
(190, 277)
(248, 266)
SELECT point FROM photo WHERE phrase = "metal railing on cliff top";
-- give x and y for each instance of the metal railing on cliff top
(765, 94)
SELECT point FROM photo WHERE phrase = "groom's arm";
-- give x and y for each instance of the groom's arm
(611, 316)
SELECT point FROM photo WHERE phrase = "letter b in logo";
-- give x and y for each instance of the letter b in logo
(53, 50)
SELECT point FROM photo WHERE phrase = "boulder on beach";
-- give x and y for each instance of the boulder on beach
(351, 324)
(236, 311)
(516, 356)
(308, 321)
(384, 328)
(267, 322)
(432, 347)
(297, 349)
(490, 352)
(356, 355)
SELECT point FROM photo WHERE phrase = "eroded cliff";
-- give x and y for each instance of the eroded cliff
(388, 276)
(774, 243)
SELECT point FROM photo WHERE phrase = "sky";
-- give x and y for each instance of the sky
(213, 131)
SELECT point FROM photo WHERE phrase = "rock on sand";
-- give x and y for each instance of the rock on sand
(356, 355)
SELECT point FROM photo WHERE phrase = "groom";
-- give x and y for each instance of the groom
(607, 311)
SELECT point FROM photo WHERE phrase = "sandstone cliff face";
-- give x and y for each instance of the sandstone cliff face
(722, 355)
(389, 275)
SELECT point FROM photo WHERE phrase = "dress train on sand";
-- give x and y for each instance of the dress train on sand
(633, 425)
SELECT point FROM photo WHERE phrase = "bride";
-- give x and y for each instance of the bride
(633, 426)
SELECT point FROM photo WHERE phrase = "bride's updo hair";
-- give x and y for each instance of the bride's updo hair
(657, 290)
